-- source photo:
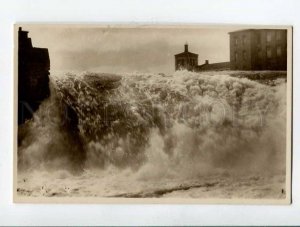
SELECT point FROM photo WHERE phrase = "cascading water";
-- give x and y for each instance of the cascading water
(151, 135)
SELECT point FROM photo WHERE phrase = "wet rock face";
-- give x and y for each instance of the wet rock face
(33, 76)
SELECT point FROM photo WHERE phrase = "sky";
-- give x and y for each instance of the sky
(127, 49)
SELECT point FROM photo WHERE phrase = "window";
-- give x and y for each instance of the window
(244, 39)
(236, 57)
(278, 35)
(269, 52)
(192, 62)
(236, 41)
(278, 51)
(180, 63)
(258, 38)
(269, 36)
(259, 53)
(244, 55)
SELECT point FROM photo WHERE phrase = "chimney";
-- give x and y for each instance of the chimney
(206, 62)
(186, 47)
(20, 29)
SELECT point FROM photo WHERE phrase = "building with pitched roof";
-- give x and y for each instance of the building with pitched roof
(186, 60)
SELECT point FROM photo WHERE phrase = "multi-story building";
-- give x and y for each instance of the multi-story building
(258, 49)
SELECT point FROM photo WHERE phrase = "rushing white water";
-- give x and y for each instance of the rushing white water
(152, 135)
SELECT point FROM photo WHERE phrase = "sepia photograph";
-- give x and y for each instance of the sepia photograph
(152, 113)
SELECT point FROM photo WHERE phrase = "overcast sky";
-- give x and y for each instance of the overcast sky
(116, 50)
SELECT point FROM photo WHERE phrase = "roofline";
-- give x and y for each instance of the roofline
(263, 29)
(186, 53)
(40, 48)
(215, 63)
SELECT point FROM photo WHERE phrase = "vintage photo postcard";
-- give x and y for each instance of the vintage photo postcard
(152, 114)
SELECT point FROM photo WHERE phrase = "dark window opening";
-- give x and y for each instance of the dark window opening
(244, 39)
(278, 51)
(269, 36)
(258, 39)
(278, 35)
(269, 52)
(259, 53)
(244, 55)
(236, 41)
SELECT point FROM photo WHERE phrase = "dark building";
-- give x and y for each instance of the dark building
(214, 66)
(258, 49)
(186, 60)
(189, 61)
(33, 76)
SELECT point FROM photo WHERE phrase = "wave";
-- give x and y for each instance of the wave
(157, 126)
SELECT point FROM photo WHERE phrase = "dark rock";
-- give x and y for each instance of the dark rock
(33, 77)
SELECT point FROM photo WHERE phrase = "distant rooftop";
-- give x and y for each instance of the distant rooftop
(245, 30)
(186, 51)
